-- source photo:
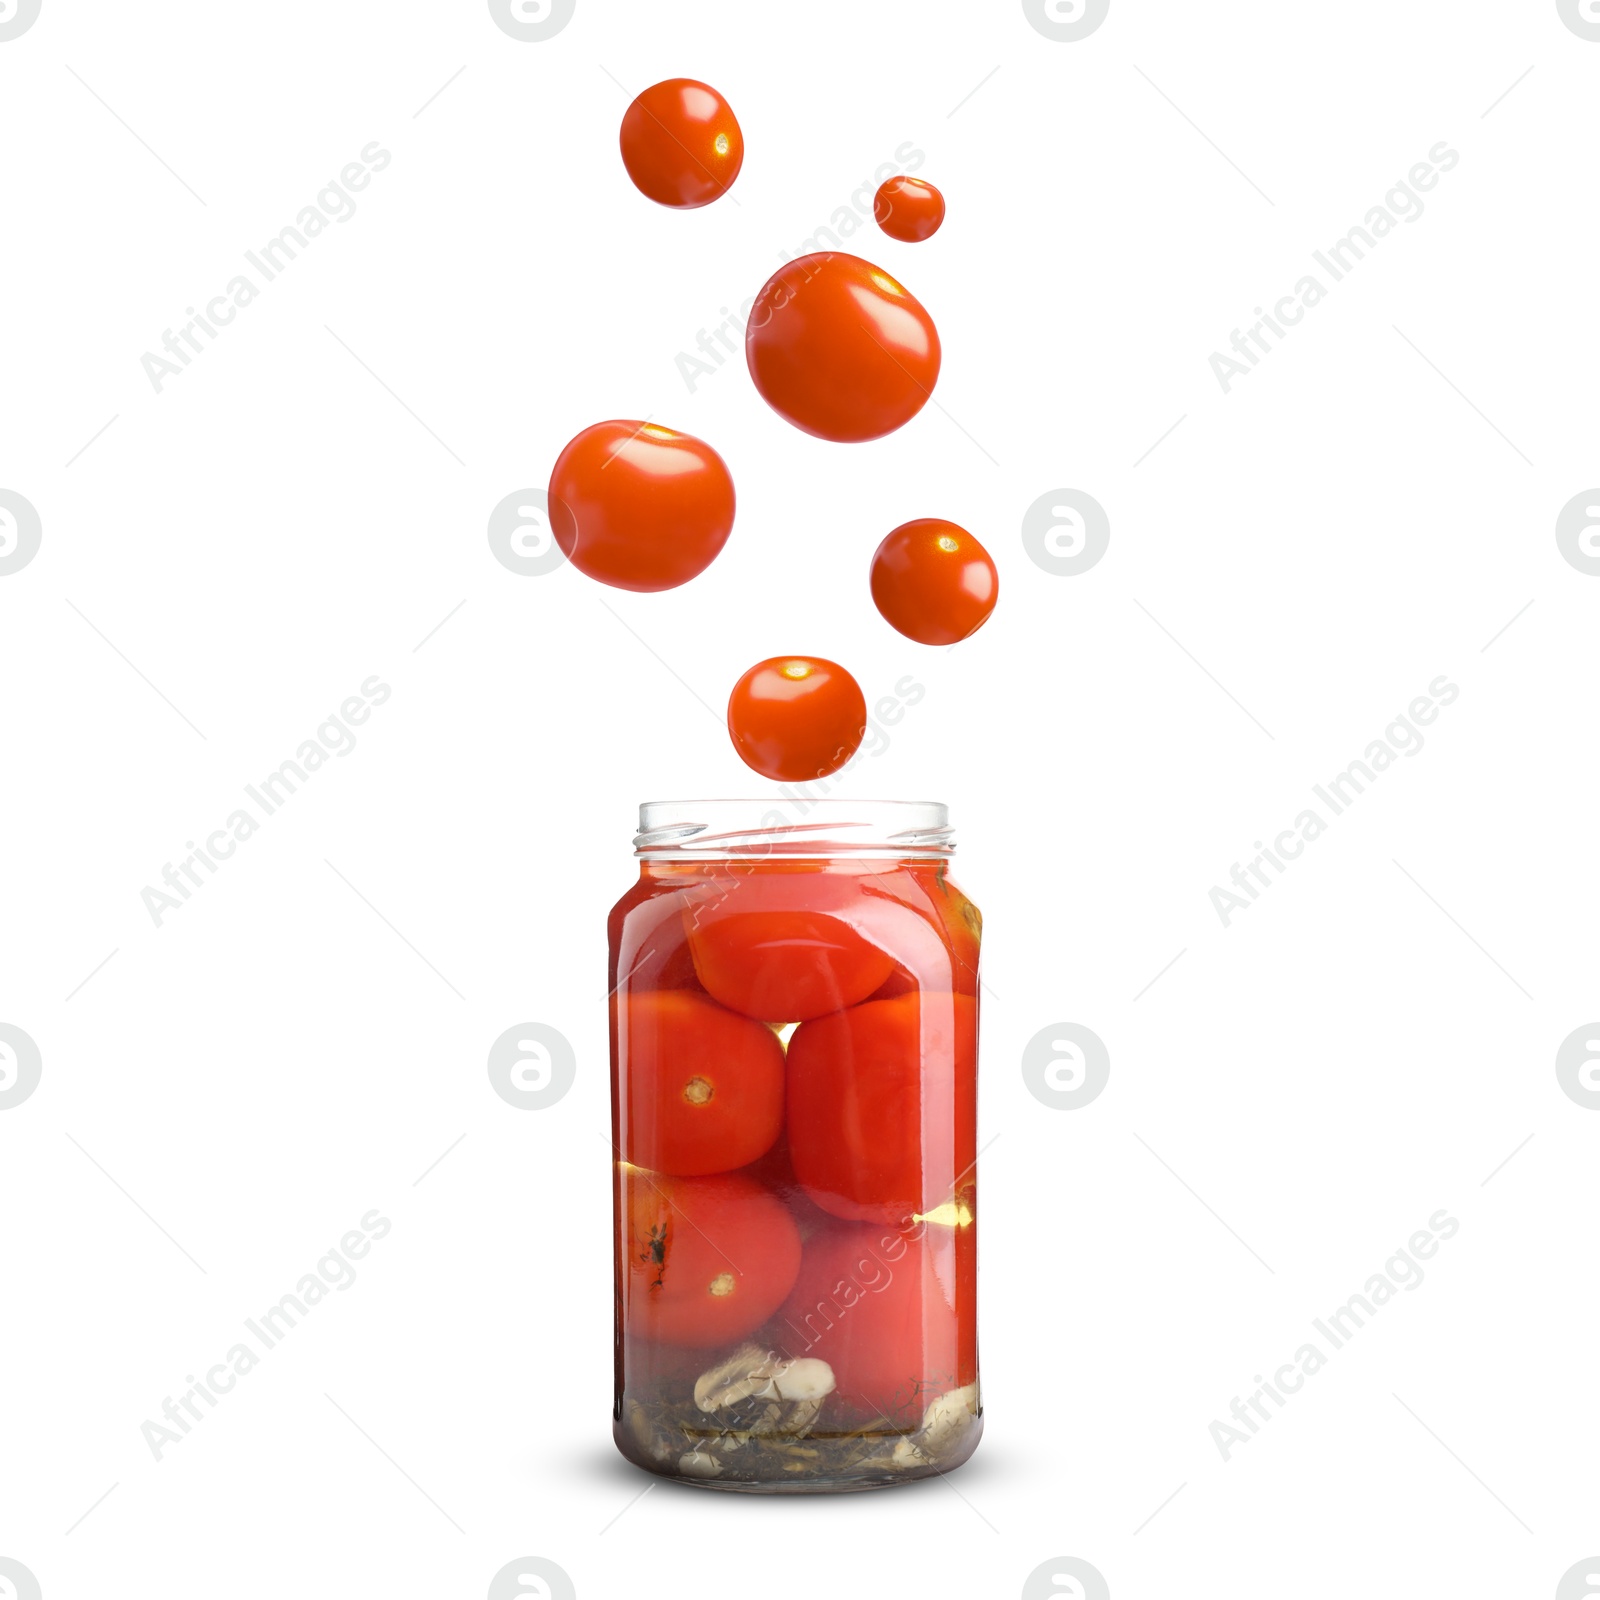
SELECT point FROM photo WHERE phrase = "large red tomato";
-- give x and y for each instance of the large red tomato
(705, 1260)
(894, 1314)
(681, 143)
(703, 1087)
(882, 1105)
(640, 506)
(840, 349)
(784, 946)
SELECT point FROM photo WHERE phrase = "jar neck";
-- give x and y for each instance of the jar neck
(792, 826)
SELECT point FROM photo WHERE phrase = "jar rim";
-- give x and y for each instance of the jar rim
(793, 826)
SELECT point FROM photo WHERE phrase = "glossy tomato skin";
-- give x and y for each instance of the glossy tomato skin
(795, 718)
(704, 1086)
(639, 506)
(933, 581)
(841, 349)
(893, 1312)
(681, 143)
(908, 209)
(882, 1105)
(786, 946)
(705, 1260)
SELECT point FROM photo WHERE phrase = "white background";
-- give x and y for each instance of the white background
(1289, 1100)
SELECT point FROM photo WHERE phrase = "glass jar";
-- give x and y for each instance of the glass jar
(794, 1038)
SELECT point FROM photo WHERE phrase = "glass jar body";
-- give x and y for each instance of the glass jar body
(794, 1101)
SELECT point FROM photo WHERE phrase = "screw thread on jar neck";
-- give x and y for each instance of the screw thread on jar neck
(794, 828)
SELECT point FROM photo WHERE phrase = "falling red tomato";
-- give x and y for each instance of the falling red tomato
(908, 209)
(681, 143)
(795, 718)
(640, 506)
(840, 349)
(933, 582)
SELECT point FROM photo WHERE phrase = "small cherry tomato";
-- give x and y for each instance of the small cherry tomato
(681, 143)
(639, 506)
(933, 582)
(704, 1085)
(795, 718)
(784, 947)
(882, 1105)
(707, 1260)
(908, 209)
(894, 1314)
(840, 349)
